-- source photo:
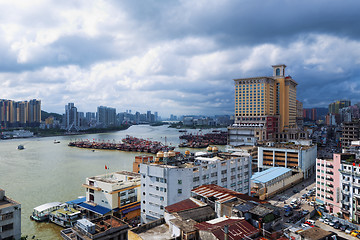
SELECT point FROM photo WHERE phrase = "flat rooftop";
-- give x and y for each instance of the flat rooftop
(116, 177)
(269, 174)
(288, 146)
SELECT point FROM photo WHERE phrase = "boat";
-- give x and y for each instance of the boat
(41, 213)
(56, 141)
(21, 147)
(182, 130)
(65, 216)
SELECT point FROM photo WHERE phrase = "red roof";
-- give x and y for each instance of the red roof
(222, 194)
(181, 206)
(238, 228)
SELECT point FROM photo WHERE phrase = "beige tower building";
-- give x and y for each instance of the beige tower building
(267, 104)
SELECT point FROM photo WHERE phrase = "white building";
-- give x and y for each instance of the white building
(297, 157)
(10, 218)
(165, 184)
(117, 192)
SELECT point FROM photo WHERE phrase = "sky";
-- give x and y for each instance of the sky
(175, 57)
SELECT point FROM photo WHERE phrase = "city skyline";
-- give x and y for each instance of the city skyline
(176, 57)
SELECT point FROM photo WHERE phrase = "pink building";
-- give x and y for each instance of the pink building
(328, 186)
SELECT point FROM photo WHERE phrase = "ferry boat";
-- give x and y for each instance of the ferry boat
(41, 213)
(65, 216)
(21, 147)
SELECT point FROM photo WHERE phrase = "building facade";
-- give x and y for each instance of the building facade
(106, 116)
(117, 192)
(297, 157)
(20, 114)
(350, 131)
(165, 184)
(10, 218)
(259, 97)
(328, 186)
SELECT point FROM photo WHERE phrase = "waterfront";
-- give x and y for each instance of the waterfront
(47, 172)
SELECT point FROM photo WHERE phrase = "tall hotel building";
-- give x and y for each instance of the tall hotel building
(265, 107)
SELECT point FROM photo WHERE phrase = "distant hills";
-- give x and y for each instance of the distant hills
(45, 115)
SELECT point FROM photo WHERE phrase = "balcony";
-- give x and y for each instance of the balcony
(346, 192)
(329, 185)
(329, 179)
(329, 172)
(329, 191)
(330, 198)
(329, 166)
(344, 202)
(346, 211)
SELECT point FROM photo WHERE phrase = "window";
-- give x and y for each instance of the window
(179, 191)
(7, 216)
(7, 227)
(179, 181)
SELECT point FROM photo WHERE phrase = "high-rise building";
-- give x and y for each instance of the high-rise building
(106, 116)
(23, 113)
(71, 116)
(265, 107)
(259, 97)
(337, 105)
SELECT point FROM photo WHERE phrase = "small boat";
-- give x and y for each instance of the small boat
(56, 141)
(65, 216)
(182, 130)
(41, 213)
(21, 147)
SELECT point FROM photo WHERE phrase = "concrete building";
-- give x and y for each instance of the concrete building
(106, 116)
(337, 105)
(274, 180)
(20, 114)
(350, 186)
(350, 132)
(328, 185)
(10, 218)
(71, 118)
(104, 228)
(171, 177)
(297, 157)
(117, 192)
(268, 103)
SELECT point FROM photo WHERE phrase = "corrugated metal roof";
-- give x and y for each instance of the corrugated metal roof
(269, 174)
(222, 194)
(237, 228)
(181, 206)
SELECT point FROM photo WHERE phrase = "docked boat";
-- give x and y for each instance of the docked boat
(65, 216)
(21, 147)
(41, 213)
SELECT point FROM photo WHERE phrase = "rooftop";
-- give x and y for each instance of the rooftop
(221, 194)
(269, 174)
(238, 228)
(116, 177)
(186, 204)
(315, 233)
(287, 146)
(6, 201)
(197, 213)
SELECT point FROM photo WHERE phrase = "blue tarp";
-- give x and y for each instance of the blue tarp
(97, 209)
(77, 201)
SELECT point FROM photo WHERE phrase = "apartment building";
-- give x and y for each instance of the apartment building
(117, 192)
(170, 179)
(297, 157)
(350, 186)
(328, 186)
(10, 218)
(350, 132)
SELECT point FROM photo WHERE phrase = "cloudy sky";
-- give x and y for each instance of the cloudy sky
(172, 56)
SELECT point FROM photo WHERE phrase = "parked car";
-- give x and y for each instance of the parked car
(310, 224)
(306, 212)
(354, 233)
(337, 225)
(304, 195)
(333, 222)
(304, 225)
(288, 213)
(343, 227)
(348, 230)
(327, 221)
(295, 191)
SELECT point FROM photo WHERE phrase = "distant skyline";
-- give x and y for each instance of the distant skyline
(175, 57)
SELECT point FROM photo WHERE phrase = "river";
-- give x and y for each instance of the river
(47, 172)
